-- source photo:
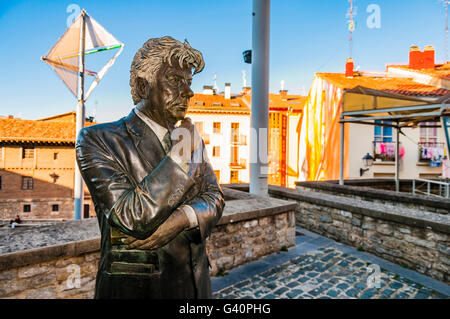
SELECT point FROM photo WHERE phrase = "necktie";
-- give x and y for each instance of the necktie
(167, 142)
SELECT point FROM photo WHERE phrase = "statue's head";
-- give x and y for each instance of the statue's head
(161, 76)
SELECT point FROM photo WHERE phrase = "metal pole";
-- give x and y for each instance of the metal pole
(397, 142)
(341, 163)
(260, 97)
(78, 187)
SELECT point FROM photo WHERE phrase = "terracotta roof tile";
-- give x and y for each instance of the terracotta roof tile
(441, 71)
(30, 131)
(403, 86)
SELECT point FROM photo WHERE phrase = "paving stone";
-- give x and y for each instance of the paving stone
(332, 293)
(292, 284)
(352, 292)
(387, 292)
(294, 293)
(368, 294)
(281, 290)
(396, 285)
(342, 286)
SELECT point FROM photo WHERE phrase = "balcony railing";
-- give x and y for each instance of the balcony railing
(241, 164)
(238, 139)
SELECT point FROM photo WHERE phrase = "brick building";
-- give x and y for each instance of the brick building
(37, 161)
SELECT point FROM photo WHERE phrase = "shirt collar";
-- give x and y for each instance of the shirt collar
(159, 130)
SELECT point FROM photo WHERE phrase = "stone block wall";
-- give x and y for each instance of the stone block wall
(231, 245)
(54, 279)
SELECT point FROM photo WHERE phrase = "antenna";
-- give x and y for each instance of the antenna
(244, 79)
(216, 88)
(351, 14)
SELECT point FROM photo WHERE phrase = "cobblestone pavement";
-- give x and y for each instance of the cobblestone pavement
(330, 273)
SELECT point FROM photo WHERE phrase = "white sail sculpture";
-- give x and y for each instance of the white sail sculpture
(67, 58)
(63, 57)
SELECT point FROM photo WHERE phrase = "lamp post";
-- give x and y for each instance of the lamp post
(368, 162)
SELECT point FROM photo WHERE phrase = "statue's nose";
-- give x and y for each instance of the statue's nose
(187, 92)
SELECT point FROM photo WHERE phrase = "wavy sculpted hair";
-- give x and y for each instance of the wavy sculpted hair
(156, 51)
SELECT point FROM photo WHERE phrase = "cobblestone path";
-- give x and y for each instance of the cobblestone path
(327, 273)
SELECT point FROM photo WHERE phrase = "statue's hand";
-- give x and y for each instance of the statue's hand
(175, 224)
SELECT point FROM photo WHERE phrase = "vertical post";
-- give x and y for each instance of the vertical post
(260, 97)
(341, 158)
(78, 187)
(397, 146)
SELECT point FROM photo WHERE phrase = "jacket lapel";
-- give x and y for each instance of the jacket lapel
(147, 143)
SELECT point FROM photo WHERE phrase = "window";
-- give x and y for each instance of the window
(55, 156)
(28, 152)
(234, 132)
(27, 208)
(86, 211)
(27, 182)
(428, 135)
(234, 155)
(217, 172)
(216, 151)
(383, 133)
(234, 177)
(216, 127)
(55, 208)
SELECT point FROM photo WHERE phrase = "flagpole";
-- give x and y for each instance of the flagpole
(80, 117)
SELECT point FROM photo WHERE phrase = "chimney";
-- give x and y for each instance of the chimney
(283, 92)
(422, 60)
(10, 116)
(246, 90)
(227, 91)
(208, 90)
(349, 66)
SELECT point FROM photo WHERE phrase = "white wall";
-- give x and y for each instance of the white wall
(361, 140)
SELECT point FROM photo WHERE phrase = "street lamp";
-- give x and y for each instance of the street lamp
(368, 162)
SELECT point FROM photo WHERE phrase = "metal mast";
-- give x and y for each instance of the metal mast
(260, 97)
(78, 187)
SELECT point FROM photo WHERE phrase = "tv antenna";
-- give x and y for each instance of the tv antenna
(351, 14)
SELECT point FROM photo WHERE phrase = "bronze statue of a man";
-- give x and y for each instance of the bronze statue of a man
(155, 206)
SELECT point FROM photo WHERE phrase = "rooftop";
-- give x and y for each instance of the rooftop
(398, 85)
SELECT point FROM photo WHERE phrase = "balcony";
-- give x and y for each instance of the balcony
(238, 139)
(429, 151)
(384, 151)
(241, 164)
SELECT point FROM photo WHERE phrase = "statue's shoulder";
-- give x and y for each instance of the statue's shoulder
(103, 131)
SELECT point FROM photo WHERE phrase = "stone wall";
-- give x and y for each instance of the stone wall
(249, 229)
(55, 279)
(231, 245)
(411, 238)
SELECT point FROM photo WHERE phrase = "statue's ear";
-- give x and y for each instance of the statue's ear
(142, 87)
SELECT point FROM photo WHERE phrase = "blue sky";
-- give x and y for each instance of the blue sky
(306, 37)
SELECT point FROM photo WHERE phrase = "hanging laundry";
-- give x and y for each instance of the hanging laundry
(382, 148)
(390, 149)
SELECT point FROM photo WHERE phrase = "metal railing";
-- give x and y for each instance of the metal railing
(444, 187)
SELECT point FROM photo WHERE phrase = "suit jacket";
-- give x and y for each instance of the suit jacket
(135, 187)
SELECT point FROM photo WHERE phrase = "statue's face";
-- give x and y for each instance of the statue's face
(172, 92)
